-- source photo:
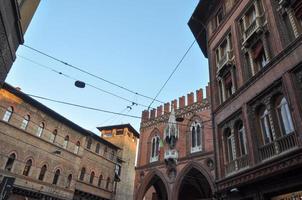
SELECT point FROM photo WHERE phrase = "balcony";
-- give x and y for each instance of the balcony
(282, 144)
(254, 28)
(171, 154)
(237, 165)
(225, 60)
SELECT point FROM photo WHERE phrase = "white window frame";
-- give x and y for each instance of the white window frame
(196, 148)
(266, 127)
(25, 122)
(40, 129)
(8, 114)
(285, 117)
(154, 156)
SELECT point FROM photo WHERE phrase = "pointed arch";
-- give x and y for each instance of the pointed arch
(150, 179)
(185, 171)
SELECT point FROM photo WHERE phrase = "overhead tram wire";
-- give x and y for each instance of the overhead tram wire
(93, 86)
(174, 70)
(88, 73)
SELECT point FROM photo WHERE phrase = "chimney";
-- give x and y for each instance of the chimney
(190, 98)
(182, 102)
(199, 94)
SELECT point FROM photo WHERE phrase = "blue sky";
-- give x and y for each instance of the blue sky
(134, 43)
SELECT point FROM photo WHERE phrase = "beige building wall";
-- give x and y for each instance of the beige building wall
(124, 138)
(54, 152)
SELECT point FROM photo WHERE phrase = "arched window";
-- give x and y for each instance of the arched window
(265, 126)
(195, 137)
(107, 183)
(56, 177)
(284, 116)
(40, 129)
(77, 147)
(100, 180)
(241, 138)
(27, 167)
(8, 114)
(10, 162)
(97, 148)
(89, 142)
(91, 178)
(25, 121)
(42, 173)
(230, 147)
(53, 136)
(105, 151)
(82, 175)
(69, 179)
(154, 148)
(66, 140)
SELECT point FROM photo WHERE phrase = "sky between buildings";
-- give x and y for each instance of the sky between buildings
(134, 43)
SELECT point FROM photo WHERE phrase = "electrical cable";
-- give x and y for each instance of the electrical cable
(88, 73)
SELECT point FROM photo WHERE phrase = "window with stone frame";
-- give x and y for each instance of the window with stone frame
(218, 17)
(66, 141)
(270, 114)
(240, 139)
(91, 177)
(82, 174)
(8, 114)
(40, 129)
(229, 145)
(265, 125)
(77, 147)
(226, 70)
(284, 115)
(259, 56)
(89, 143)
(27, 167)
(56, 177)
(10, 162)
(42, 173)
(291, 12)
(154, 152)
(53, 136)
(25, 122)
(69, 179)
(196, 137)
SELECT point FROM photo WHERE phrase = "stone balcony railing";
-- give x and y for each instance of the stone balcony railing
(282, 144)
(237, 164)
(225, 60)
(153, 159)
(255, 27)
(171, 154)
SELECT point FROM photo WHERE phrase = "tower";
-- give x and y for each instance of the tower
(125, 137)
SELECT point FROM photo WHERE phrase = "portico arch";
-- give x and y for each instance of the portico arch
(193, 182)
(156, 181)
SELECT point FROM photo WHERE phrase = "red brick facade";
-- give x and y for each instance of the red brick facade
(150, 172)
(254, 51)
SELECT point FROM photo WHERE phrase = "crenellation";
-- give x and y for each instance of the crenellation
(177, 104)
(190, 99)
(159, 111)
(182, 102)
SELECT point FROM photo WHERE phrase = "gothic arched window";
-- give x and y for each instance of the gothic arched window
(25, 122)
(42, 173)
(8, 114)
(196, 135)
(154, 148)
(284, 116)
(27, 167)
(56, 177)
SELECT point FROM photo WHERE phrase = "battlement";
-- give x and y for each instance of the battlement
(182, 102)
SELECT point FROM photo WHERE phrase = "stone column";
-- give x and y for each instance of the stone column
(251, 61)
(234, 147)
(257, 10)
(266, 48)
(223, 90)
(233, 74)
(293, 21)
(270, 109)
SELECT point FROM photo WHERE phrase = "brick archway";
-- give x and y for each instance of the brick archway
(188, 180)
(157, 180)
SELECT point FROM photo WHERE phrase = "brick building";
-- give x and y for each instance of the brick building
(175, 158)
(15, 16)
(125, 137)
(50, 157)
(254, 51)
